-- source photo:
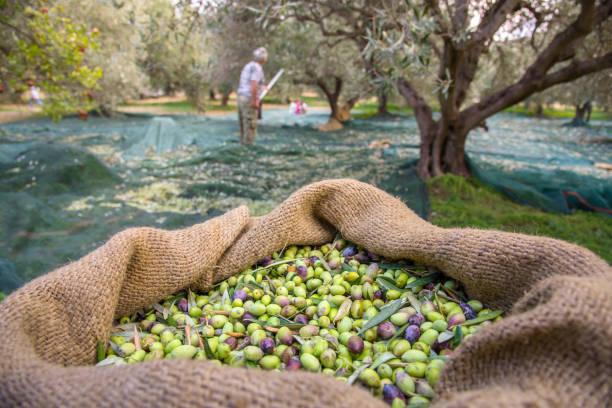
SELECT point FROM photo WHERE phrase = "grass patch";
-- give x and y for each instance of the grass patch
(369, 109)
(558, 113)
(311, 101)
(180, 106)
(185, 106)
(458, 202)
(218, 107)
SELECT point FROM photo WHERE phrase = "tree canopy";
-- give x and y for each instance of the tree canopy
(417, 45)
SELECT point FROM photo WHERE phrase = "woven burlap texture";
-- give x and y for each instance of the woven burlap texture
(554, 348)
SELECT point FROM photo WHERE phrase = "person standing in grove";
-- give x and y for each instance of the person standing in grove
(34, 94)
(249, 90)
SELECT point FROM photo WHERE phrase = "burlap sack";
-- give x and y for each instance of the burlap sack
(555, 348)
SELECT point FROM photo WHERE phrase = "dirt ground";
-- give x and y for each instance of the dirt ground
(13, 113)
(16, 112)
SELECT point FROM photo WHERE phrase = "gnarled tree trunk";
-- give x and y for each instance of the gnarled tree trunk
(382, 103)
(442, 151)
(337, 115)
(224, 99)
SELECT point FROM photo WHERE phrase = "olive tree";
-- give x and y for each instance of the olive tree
(418, 45)
(333, 68)
(41, 44)
(175, 47)
(119, 49)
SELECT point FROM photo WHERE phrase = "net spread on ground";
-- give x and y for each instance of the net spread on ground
(67, 187)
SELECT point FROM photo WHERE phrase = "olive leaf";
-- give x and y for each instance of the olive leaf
(225, 298)
(483, 318)
(383, 358)
(424, 280)
(348, 268)
(355, 374)
(126, 326)
(207, 350)
(343, 310)
(325, 264)
(445, 336)
(101, 352)
(457, 338)
(388, 283)
(191, 303)
(115, 347)
(109, 361)
(189, 321)
(383, 314)
(414, 302)
(397, 266)
(284, 261)
(316, 301)
(172, 322)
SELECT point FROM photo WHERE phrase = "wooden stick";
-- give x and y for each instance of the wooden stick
(136, 339)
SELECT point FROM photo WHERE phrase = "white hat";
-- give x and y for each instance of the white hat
(260, 54)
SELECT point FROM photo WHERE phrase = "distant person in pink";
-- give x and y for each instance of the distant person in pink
(297, 108)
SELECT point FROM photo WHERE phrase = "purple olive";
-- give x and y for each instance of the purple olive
(333, 263)
(293, 364)
(425, 293)
(361, 258)
(355, 344)
(302, 271)
(284, 335)
(301, 319)
(247, 318)
(468, 311)
(373, 256)
(182, 305)
(377, 295)
(240, 294)
(265, 261)
(349, 251)
(416, 319)
(412, 334)
(455, 319)
(282, 301)
(232, 342)
(385, 330)
(372, 270)
(391, 392)
(289, 352)
(313, 259)
(267, 345)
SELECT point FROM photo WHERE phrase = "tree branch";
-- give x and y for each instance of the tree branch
(460, 17)
(564, 44)
(435, 7)
(422, 111)
(492, 20)
(515, 93)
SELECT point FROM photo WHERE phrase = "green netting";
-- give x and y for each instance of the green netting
(66, 187)
(542, 163)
